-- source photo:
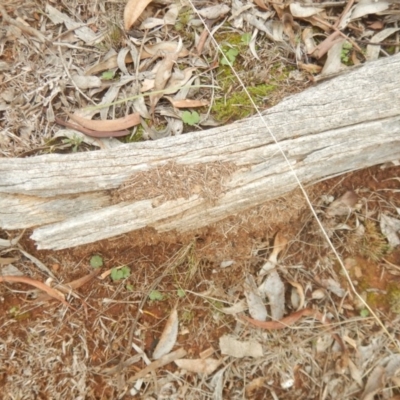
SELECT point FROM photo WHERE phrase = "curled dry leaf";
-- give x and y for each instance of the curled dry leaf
(90, 132)
(168, 337)
(178, 80)
(292, 318)
(373, 51)
(163, 74)
(310, 68)
(239, 349)
(107, 125)
(390, 227)
(238, 307)
(344, 205)
(75, 284)
(86, 82)
(375, 383)
(274, 289)
(255, 385)
(299, 11)
(200, 366)
(290, 27)
(166, 47)
(255, 303)
(333, 63)
(214, 12)
(366, 7)
(280, 243)
(300, 293)
(283, 323)
(133, 10)
(40, 285)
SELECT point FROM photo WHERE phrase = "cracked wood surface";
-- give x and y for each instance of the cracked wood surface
(344, 124)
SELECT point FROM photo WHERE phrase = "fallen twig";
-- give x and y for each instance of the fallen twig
(168, 358)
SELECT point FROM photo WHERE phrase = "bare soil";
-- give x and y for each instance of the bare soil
(47, 348)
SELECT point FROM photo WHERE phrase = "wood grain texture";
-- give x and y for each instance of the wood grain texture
(344, 124)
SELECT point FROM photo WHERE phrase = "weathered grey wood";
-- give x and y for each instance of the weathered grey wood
(344, 124)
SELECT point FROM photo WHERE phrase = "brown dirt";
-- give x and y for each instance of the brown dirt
(245, 239)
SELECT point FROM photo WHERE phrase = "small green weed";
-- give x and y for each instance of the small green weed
(190, 118)
(156, 295)
(245, 38)
(230, 54)
(346, 51)
(120, 273)
(96, 261)
(107, 75)
(74, 142)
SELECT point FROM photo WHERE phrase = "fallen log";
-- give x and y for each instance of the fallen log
(187, 182)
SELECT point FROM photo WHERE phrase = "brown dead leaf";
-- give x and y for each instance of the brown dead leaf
(310, 68)
(187, 103)
(168, 337)
(90, 132)
(107, 125)
(376, 25)
(133, 10)
(261, 4)
(230, 346)
(344, 205)
(201, 366)
(254, 386)
(375, 383)
(290, 27)
(300, 292)
(163, 74)
(280, 243)
(7, 260)
(165, 47)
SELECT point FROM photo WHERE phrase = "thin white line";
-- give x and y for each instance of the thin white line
(292, 170)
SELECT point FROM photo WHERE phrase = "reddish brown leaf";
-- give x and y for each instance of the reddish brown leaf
(40, 285)
(107, 125)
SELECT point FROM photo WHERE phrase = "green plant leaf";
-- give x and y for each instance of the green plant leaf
(156, 295)
(190, 118)
(181, 293)
(107, 75)
(364, 313)
(96, 261)
(231, 55)
(120, 273)
(245, 38)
